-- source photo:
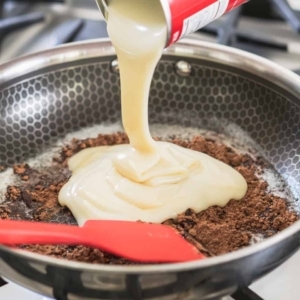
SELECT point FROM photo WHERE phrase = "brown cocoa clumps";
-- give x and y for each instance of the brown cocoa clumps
(215, 231)
(5, 212)
(78, 145)
(23, 170)
(77, 253)
(13, 193)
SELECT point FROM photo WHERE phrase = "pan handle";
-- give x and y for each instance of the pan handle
(245, 294)
(2, 282)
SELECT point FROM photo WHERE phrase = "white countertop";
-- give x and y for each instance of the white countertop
(295, 4)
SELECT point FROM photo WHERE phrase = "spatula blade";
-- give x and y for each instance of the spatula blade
(142, 242)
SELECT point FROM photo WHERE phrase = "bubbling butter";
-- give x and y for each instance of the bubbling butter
(146, 180)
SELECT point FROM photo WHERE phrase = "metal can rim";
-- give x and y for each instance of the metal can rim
(103, 6)
(168, 17)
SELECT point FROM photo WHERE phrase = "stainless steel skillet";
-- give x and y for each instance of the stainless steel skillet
(46, 95)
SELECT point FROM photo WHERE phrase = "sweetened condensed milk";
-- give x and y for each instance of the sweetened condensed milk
(145, 180)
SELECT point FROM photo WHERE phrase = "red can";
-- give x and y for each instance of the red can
(186, 16)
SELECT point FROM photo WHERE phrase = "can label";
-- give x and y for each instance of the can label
(188, 16)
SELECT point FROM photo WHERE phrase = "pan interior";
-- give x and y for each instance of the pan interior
(37, 113)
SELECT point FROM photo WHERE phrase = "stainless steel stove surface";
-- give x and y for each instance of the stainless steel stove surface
(30, 26)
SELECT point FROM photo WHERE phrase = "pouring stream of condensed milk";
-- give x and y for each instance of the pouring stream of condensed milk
(145, 180)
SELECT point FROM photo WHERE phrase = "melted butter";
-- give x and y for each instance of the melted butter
(146, 180)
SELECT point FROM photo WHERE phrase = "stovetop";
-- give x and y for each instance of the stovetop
(30, 26)
(76, 20)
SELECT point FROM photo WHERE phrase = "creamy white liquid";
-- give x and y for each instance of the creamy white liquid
(181, 179)
(146, 180)
(138, 32)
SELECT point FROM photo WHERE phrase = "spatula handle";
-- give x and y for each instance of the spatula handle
(24, 232)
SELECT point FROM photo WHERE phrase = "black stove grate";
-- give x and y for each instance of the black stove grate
(225, 29)
(17, 22)
(9, 25)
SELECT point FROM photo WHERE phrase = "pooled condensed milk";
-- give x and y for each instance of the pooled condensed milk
(145, 180)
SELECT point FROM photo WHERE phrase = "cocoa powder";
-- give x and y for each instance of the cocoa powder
(216, 231)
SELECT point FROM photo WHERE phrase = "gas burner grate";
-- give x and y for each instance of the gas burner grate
(11, 24)
(17, 22)
(226, 28)
(291, 16)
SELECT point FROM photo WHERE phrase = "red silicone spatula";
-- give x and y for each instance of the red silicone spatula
(136, 241)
